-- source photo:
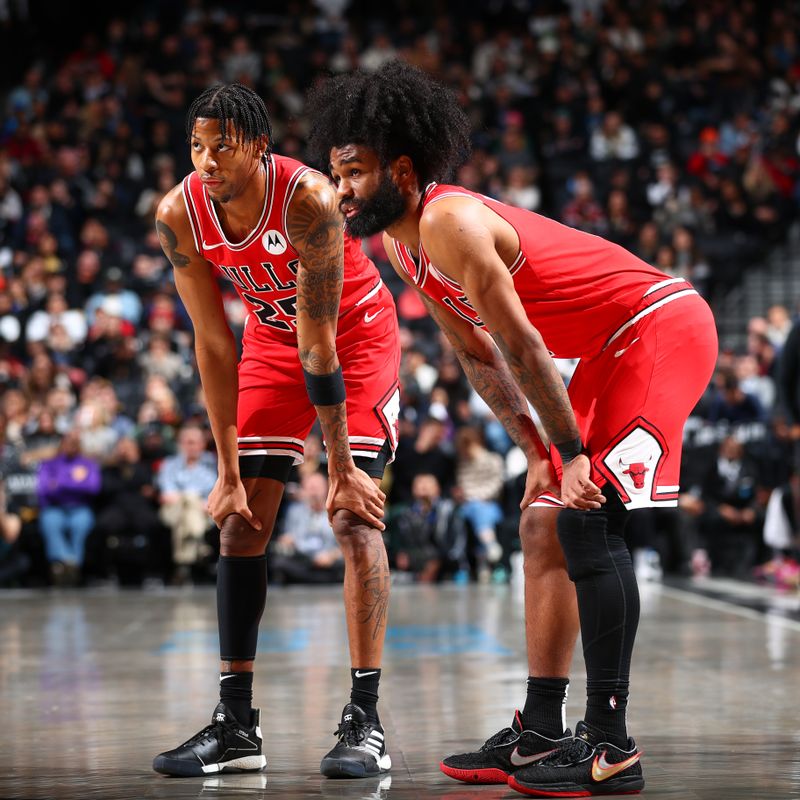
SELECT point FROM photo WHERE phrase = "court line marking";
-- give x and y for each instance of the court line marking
(767, 617)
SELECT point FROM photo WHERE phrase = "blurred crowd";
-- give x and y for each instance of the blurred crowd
(670, 128)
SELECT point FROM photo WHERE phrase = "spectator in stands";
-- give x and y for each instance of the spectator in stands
(185, 480)
(428, 452)
(429, 539)
(13, 563)
(613, 140)
(306, 551)
(127, 528)
(479, 481)
(67, 486)
(732, 404)
(729, 511)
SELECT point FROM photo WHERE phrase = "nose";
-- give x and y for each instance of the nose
(207, 161)
(343, 190)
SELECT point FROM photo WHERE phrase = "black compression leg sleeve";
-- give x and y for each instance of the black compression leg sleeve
(241, 594)
(600, 564)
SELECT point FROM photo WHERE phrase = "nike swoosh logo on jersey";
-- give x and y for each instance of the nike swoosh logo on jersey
(520, 761)
(364, 674)
(620, 352)
(369, 317)
(602, 770)
(207, 246)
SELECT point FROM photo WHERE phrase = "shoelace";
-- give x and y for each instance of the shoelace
(501, 737)
(352, 733)
(217, 729)
(574, 750)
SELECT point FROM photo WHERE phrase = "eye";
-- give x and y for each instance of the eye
(222, 147)
(354, 172)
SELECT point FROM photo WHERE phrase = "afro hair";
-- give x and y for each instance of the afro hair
(398, 110)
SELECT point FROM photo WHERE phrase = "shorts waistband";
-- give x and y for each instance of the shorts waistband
(658, 295)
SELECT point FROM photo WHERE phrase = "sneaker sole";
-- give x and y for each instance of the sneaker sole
(340, 768)
(631, 785)
(492, 775)
(185, 769)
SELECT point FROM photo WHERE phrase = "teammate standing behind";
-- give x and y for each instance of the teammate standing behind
(321, 325)
(647, 345)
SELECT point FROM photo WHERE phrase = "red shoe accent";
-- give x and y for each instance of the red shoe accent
(475, 775)
(541, 793)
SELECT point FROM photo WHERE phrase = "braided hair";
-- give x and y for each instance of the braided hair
(235, 103)
(397, 110)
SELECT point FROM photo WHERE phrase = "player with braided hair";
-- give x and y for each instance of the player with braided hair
(511, 288)
(320, 340)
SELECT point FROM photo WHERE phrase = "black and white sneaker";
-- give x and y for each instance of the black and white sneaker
(361, 749)
(225, 744)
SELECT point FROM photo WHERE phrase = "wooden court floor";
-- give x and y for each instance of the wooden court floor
(94, 683)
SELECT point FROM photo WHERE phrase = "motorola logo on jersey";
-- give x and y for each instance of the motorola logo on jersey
(274, 242)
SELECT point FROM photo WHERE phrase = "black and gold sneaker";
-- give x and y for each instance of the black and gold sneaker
(585, 767)
(502, 754)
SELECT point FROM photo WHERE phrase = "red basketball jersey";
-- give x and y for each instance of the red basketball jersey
(263, 266)
(578, 290)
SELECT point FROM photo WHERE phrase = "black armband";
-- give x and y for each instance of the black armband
(325, 390)
(571, 449)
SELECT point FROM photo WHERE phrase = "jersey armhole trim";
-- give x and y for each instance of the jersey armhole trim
(290, 190)
(191, 213)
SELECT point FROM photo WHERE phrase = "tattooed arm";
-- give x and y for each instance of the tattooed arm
(314, 227)
(215, 350)
(459, 240)
(491, 377)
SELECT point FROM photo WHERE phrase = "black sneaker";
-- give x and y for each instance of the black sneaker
(501, 755)
(225, 744)
(361, 749)
(584, 767)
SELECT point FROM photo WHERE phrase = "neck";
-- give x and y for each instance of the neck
(406, 229)
(244, 210)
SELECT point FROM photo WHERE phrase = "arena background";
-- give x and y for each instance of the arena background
(669, 127)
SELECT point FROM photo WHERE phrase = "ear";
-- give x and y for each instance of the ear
(404, 174)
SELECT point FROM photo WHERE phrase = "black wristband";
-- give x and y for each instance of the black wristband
(571, 449)
(325, 390)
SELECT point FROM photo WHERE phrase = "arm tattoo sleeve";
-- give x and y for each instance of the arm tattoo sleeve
(494, 382)
(169, 244)
(542, 384)
(315, 229)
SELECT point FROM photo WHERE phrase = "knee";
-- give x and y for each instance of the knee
(354, 536)
(539, 539)
(592, 542)
(238, 539)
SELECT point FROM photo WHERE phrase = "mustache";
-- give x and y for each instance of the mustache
(346, 205)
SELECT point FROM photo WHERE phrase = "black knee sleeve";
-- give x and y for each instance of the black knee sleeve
(593, 541)
(241, 595)
(599, 563)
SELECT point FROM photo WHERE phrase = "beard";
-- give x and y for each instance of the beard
(385, 207)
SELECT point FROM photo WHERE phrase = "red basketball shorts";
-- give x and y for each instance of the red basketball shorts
(633, 399)
(275, 414)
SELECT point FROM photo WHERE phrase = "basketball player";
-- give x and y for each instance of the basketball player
(320, 339)
(647, 345)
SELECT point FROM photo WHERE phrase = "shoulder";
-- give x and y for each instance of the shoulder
(451, 214)
(315, 184)
(172, 207)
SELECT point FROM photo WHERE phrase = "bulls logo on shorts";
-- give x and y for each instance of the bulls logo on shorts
(632, 466)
